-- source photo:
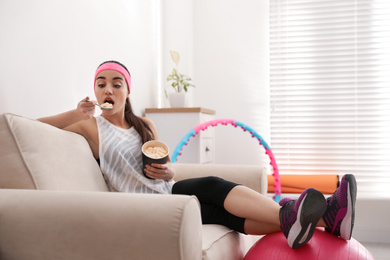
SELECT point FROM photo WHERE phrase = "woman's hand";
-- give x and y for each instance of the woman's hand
(86, 108)
(160, 171)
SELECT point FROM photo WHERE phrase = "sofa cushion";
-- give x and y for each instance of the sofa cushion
(252, 176)
(78, 225)
(220, 242)
(34, 155)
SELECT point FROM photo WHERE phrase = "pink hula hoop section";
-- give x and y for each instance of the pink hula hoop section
(245, 128)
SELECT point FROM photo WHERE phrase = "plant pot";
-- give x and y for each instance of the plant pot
(178, 99)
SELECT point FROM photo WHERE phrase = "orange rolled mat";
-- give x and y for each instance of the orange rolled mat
(326, 184)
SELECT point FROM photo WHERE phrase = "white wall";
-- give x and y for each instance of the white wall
(223, 47)
(178, 33)
(50, 49)
(231, 72)
(371, 224)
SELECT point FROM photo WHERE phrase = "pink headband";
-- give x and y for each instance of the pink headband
(116, 67)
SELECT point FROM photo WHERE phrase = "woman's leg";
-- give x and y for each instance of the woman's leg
(213, 214)
(247, 203)
(208, 190)
(253, 227)
(211, 193)
(212, 209)
(296, 218)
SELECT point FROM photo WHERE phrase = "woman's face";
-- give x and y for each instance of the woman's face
(111, 87)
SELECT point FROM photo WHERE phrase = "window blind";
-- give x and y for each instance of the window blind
(330, 89)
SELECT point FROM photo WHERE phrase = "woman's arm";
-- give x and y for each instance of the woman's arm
(85, 110)
(88, 129)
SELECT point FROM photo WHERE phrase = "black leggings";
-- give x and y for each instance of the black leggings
(211, 193)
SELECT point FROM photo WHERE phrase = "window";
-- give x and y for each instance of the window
(330, 89)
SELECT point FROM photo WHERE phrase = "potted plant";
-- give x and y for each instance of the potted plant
(180, 84)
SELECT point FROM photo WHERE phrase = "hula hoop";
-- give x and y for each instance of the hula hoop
(184, 141)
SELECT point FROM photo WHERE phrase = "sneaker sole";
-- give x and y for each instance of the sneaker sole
(347, 223)
(310, 211)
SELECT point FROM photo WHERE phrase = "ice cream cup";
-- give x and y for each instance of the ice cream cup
(149, 158)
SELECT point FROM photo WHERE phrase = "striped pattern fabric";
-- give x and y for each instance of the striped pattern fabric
(121, 160)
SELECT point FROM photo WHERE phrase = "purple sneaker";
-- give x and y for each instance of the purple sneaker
(340, 211)
(299, 218)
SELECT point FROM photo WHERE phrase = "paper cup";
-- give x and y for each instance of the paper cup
(149, 158)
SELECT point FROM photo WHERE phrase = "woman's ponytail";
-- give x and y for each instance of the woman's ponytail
(140, 126)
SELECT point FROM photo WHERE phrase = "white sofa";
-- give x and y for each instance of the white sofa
(54, 204)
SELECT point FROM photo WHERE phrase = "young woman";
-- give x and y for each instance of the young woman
(116, 137)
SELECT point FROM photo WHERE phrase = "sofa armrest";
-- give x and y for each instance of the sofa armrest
(98, 225)
(252, 176)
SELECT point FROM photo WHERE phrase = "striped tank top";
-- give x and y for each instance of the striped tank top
(121, 160)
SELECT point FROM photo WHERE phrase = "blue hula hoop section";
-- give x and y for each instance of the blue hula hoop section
(177, 152)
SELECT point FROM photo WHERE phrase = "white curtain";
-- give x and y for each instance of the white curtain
(330, 89)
